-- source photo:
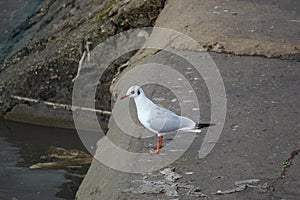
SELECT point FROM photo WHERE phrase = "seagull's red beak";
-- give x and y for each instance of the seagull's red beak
(123, 97)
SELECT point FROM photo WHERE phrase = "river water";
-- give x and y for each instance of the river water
(22, 145)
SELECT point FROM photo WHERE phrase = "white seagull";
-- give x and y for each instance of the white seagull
(160, 120)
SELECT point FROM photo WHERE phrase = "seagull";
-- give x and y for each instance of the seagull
(160, 120)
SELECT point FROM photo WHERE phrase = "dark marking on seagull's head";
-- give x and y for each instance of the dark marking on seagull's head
(133, 91)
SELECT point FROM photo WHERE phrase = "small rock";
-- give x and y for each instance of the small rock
(265, 188)
(170, 175)
(234, 127)
(54, 77)
(237, 189)
(145, 177)
(185, 185)
(197, 193)
(218, 177)
(249, 181)
(173, 100)
(189, 173)
(159, 99)
(166, 171)
(216, 12)
(171, 191)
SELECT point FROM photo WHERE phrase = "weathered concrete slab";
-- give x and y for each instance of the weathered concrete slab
(268, 28)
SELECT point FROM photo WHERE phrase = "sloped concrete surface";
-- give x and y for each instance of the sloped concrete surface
(262, 120)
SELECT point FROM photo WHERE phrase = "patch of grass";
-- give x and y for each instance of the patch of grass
(286, 164)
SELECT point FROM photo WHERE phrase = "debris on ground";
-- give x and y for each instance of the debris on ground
(218, 177)
(237, 189)
(189, 173)
(56, 157)
(266, 187)
(196, 193)
(170, 175)
(171, 190)
(168, 185)
(234, 127)
(148, 187)
(247, 182)
(241, 186)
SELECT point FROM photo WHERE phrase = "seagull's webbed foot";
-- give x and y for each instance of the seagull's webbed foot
(159, 145)
(154, 152)
(156, 147)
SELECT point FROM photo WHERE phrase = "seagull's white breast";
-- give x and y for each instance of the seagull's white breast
(144, 106)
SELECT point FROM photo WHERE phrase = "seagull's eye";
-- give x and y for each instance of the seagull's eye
(138, 92)
(132, 92)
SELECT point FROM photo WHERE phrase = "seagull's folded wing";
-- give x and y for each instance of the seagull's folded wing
(163, 120)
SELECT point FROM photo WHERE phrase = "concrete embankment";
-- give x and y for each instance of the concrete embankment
(261, 128)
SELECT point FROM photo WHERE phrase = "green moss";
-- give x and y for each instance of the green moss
(286, 164)
(100, 15)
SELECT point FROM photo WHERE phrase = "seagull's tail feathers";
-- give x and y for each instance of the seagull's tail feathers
(190, 126)
(197, 128)
(203, 125)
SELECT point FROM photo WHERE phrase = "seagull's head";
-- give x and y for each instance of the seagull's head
(133, 91)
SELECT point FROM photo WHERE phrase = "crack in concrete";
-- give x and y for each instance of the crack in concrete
(288, 162)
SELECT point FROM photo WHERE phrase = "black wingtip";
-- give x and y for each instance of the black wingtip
(203, 125)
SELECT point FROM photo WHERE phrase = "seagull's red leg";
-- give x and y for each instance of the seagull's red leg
(159, 142)
(159, 145)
